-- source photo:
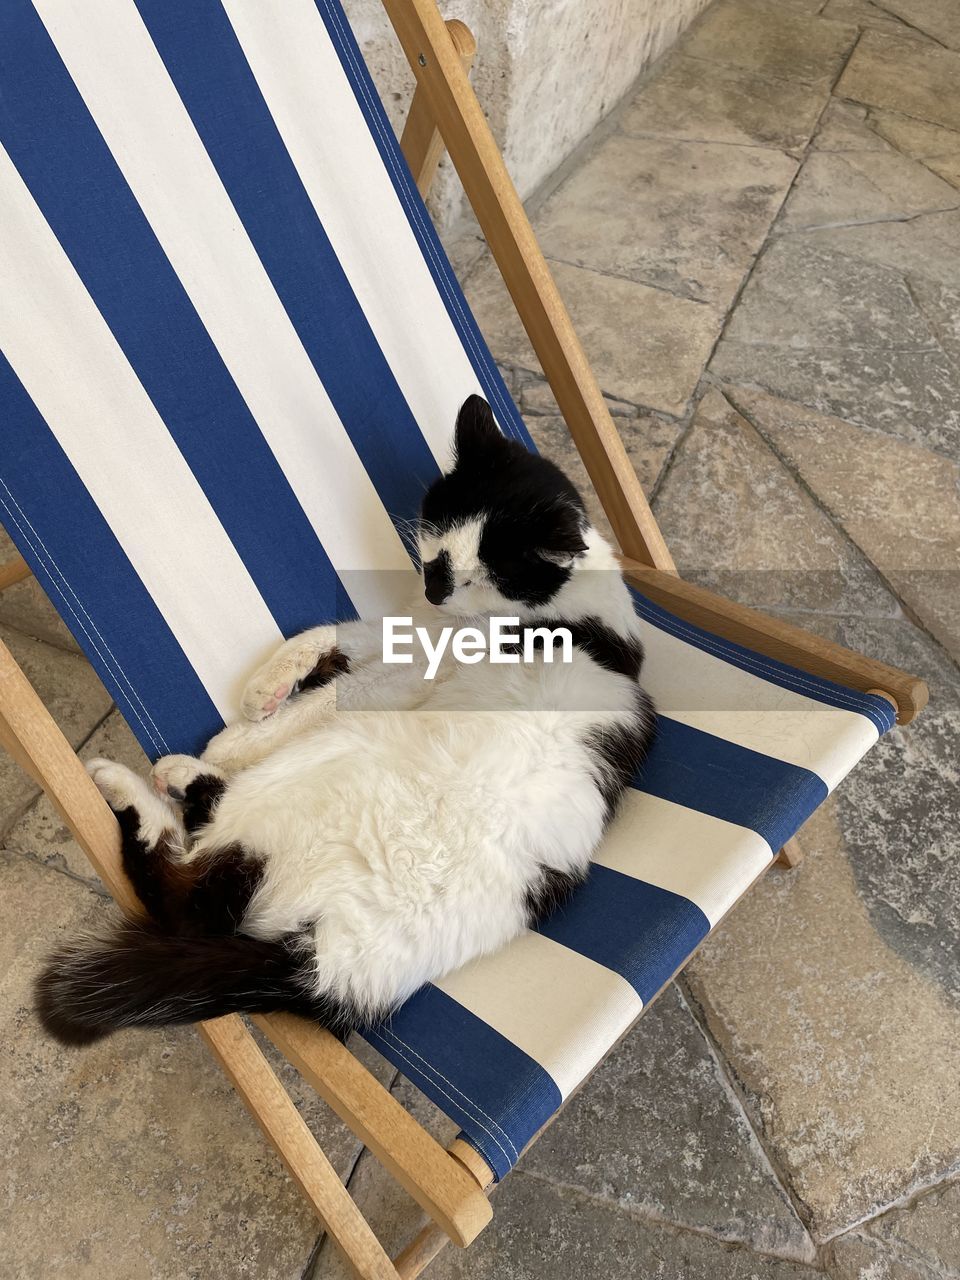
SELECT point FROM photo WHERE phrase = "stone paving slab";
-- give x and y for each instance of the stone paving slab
(686, 217)
(737, 522)
(41, 834)
(904, 75)
(925, 247)
(863, 186)
(541, 1230)
(646, 346)
(648, 439)
(133, 1157)
(843, 1028)
(71, 692)
(770, 39)
(927, 1230)
(934, 18)
(843, 336)
(25, 606)
(867, 15)
(699, 102)
(899, 502)
(937, 148)
(919, 1242)
(657, 1131)
(845, 126)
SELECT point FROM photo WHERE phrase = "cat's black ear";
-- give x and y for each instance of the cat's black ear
(476, 430)
(564, 539)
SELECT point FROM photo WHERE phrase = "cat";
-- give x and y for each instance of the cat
(362, 830)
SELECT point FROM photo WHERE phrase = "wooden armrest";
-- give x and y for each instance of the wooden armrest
(780, 640)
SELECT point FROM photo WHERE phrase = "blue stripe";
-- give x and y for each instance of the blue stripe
(71, 174)
(638, 930)
(711, 775)
(206, 63)
(433, 253)
(105, 605)
(877, 710)
(475, 1075)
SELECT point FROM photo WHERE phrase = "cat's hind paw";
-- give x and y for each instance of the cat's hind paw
(119, 786)
(171, 775)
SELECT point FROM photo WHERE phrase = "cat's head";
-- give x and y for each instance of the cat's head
(502, 528)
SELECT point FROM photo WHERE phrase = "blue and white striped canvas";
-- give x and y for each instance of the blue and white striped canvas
(232, 354)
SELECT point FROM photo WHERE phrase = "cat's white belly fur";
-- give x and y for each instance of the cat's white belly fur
(406, 839)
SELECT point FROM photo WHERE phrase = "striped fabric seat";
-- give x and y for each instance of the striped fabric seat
(233, 351)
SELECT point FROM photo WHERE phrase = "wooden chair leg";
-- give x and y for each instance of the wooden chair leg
(272, 1108)
(442, 1183)
(420, 142)
(32, 737)
(791, 855)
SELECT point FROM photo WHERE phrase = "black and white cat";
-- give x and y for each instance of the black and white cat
(364, 830)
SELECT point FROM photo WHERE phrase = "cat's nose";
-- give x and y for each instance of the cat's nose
(438, 578)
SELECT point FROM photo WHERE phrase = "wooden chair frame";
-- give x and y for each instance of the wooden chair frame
(451, 1185)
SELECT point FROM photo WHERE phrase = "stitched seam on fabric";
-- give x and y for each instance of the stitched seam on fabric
(791, 679)
(429, 1066)
(412, 1066)
(45, 557)
(416, 213)
(66, 603)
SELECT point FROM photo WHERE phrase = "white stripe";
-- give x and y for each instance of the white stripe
(123, 81)
(561, 1008)
(315, 110)
(71, 366)
(702, 690)
(699, 857)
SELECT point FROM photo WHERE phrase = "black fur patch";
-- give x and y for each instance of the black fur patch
(226, 880)
(549, 892)
(620, 752)
(209, 895)
(161, 882)
(605, 646)
(438, 578)
(533, 515)
(200, 798)
(140, 976)
(329, 665)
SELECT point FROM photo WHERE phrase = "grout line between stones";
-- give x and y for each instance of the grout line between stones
(648, 1216)
(312, 1256)
(739, 1092)
(867, 222)
(798, 477)
(912, 26)
(347, 1182)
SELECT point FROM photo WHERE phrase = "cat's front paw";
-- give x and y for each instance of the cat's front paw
(119, 786)
(171, 775)
(293, 663)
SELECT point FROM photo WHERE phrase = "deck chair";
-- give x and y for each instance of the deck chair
(233, 351)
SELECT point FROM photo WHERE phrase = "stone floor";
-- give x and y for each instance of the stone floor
(761, 251)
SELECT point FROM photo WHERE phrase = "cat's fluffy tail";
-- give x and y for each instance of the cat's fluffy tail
(138, 976)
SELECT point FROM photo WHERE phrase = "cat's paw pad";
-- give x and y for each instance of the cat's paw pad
(277, 679)
(262, 697)
(171, 775)
(119, 786)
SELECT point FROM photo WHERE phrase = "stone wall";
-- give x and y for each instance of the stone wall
(547, 71)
